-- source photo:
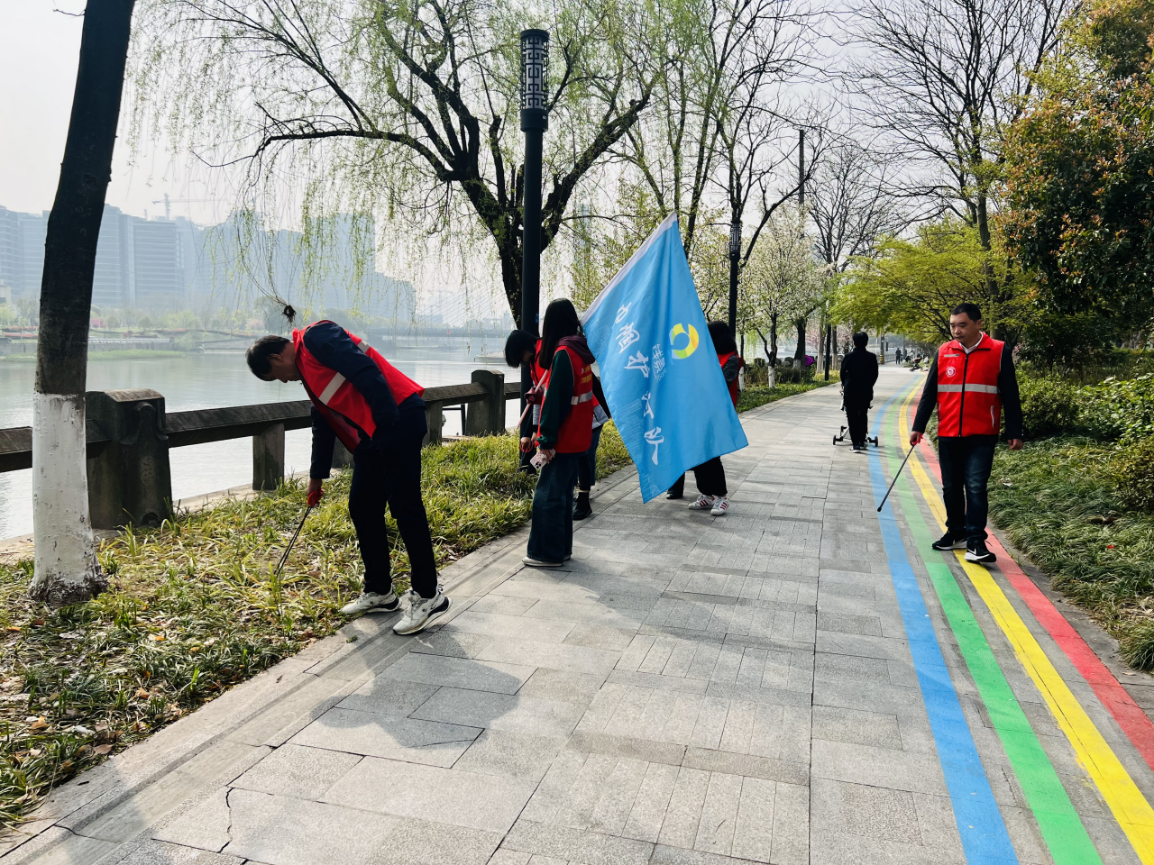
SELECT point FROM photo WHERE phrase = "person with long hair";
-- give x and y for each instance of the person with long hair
(564, 433)
(710, 475)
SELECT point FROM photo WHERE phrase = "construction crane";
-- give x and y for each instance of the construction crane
(167, 202)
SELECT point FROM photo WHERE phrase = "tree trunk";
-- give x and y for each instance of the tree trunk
(773, 339)
(799, 354)
(67, 571)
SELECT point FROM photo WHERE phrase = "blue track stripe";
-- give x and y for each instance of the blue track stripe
(984, 836)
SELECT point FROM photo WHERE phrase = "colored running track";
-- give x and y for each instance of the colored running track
(1105, 742)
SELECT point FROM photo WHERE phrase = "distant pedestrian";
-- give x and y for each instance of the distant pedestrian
(710, 475)
(564, 433)
(969, 382)
(378, 414)
(859, 372)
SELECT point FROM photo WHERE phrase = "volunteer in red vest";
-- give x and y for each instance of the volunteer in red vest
(563, 435)
(710, 475)
(970, 382)
(378, 414)
(521, 347)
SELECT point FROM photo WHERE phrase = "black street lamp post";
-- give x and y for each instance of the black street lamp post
(534, 122)
(734, 257)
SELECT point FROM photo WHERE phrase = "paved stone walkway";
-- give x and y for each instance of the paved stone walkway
(801, 681)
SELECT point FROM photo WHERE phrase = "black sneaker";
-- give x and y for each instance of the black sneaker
(947, 542)
(976, 552)
(582, 508)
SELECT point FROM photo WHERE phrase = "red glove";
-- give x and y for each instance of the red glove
(535, 397)
(315, 497)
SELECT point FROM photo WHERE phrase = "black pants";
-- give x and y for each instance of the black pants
(966, 462)
(710, 479)
(551, 533)
(387, 471)
(857, 415)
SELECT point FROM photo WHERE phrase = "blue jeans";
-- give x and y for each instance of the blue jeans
(966, 462)
(551, 534)
(587, 464)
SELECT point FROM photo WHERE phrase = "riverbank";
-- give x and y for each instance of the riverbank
(194, 608)
(119, 354)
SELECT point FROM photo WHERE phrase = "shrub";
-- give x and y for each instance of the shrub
(1049, 406)
(792, 374)
(1120, 409)
(1132, 470)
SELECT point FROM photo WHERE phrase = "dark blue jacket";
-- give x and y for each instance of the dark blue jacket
(330, 344)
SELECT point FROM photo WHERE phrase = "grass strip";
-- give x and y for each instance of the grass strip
(1058, 820)
(1058, 504)
(752, 397)
(193, 608)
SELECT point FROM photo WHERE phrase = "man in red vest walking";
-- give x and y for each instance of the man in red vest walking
(970, 382)
(378, 414)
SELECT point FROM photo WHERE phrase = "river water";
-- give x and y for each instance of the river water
(216, 380)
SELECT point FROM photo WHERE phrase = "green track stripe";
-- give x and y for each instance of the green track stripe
(1059, 822)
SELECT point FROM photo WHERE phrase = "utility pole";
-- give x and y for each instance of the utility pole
(534, 122)
(734, 258)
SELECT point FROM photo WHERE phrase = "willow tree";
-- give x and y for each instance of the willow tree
(405, 108)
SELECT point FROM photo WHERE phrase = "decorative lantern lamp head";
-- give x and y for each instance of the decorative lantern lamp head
(735, 239)
(534, 79)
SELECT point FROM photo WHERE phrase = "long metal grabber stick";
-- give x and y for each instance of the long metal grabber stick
(288, 549)
(895, 480)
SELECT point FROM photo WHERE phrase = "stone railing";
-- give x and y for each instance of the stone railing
(130, 435)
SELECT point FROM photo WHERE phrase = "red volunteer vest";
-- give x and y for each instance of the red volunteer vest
(968, 399)
(576, 432)
(734, 390)
(337, 400)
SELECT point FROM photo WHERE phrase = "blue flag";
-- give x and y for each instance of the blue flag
(658, 367)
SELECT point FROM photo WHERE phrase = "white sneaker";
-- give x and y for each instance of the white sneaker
(703, 503)
(720, 506)
(422, 612)
(538, 563)
(369, 602)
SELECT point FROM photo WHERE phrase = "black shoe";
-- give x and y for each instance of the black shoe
(976, 552)
(947, 542)
(582, 509)
(673, 494)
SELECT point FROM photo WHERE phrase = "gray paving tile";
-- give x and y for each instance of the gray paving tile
(293, 770)
(501, 625)
(160, 853)
(652, 800)
(518, 755)
(548, 684)
(391, 697)
(575, 659)
(427, 742)
(718, 814)
(856, 727)
(877, 767)
(533, 715)
(485, 802)
(476, 674)
(679, 829)
(574, 845)
(745, 764)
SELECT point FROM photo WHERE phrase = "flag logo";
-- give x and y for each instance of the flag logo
(671, 416)
(678, 330)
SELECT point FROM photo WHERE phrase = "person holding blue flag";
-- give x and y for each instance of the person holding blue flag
(710, 475)
(563, 435)
(658, 365)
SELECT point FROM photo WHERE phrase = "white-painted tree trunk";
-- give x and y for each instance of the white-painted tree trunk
(772, 376)
(67, 571)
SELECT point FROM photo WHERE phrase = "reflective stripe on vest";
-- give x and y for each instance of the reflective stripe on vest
(585, 397)
(968, 399)
(338, 400)
(968, 388)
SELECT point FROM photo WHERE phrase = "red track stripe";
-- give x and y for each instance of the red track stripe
(1137, 726)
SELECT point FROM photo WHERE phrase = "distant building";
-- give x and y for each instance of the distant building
(167, 264)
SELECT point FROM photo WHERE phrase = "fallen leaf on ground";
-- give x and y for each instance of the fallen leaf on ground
(142, 694)
(102, 750)
(40, 723)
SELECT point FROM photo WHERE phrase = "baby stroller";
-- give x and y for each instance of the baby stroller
(841, 433)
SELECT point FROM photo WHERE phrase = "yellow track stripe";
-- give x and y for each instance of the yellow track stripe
(1122, 795)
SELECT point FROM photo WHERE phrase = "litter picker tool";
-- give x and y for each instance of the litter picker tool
(895, 480)
(288, 549)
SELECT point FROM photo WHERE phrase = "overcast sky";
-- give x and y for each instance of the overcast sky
(39, 50)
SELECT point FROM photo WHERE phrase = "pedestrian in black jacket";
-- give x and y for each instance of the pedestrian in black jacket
(859, 372)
